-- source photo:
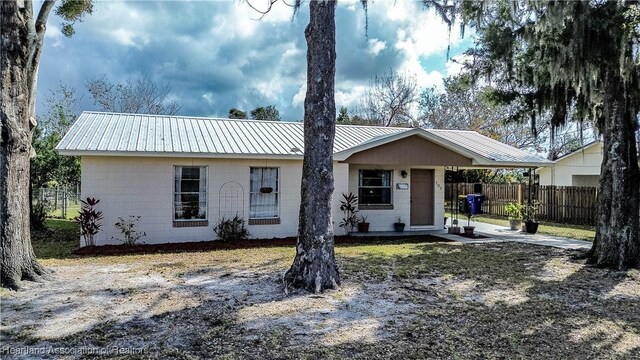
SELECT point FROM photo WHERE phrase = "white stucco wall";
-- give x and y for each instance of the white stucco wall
(579, 169)
(144, 186)
(382, 220)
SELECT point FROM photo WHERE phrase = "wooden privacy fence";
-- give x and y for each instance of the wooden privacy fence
(561, 204)
(567, 204)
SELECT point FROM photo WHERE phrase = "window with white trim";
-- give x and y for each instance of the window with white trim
(264, 194)
(190, 193)
(374, 187)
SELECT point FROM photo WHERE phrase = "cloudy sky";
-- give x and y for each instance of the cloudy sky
(216, 54)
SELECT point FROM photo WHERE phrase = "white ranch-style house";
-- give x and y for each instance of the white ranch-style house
(183, 174)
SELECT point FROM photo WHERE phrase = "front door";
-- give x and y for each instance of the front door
(421, 197)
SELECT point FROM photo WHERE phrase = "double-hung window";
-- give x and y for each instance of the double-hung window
(374, 188)
(190, 194)
(264, 196)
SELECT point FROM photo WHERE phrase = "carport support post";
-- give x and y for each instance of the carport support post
(529, 189)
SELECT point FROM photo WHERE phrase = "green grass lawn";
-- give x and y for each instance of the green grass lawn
(579, 232)
(397, 300)
(59, 241)
(72, 211)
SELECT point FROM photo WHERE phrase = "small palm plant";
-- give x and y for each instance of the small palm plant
(348, 207)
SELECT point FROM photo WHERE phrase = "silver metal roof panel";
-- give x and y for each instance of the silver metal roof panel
(130, 134)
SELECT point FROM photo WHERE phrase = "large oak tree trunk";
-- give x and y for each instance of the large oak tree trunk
(314, 267)
(21, 41)
(617, 243)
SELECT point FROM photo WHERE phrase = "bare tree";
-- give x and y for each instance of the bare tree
(465, 105)
(569, 138)
(138, 95)
(389, 99)
(22, 36)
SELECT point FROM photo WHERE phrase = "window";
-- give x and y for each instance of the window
(190, 193)
(374, 187)
(264, 194)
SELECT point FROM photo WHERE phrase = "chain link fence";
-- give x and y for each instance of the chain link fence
(60, 202)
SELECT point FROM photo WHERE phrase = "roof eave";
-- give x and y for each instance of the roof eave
(178, 154)
(513, 164)
(343, 155)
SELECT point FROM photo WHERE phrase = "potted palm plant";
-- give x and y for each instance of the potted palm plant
(363, 225)
(514, 212)
(454, 228)
(530, 222)
(468, 229)
(399, 225)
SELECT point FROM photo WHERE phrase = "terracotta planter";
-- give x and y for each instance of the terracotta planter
(363, 227)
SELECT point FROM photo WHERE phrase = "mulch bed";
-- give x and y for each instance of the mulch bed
(106, 250)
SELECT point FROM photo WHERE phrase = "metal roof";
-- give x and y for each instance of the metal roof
(95, 133)
(490, 149)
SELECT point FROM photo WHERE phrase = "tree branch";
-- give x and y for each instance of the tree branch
(43, 14)
(262, 12)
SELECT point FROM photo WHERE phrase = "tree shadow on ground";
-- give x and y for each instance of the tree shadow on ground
(419, 301)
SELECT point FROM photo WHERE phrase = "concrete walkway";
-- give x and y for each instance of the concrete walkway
(494, 233)
(497, 233)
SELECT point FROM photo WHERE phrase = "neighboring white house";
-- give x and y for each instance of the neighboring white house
(578, 168)
(183, 174)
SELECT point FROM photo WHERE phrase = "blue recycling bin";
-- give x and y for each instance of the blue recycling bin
(475, 203)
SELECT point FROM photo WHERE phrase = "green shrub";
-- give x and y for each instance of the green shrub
(128, 230)
(513, 210)
(231, 229)
(38, 216)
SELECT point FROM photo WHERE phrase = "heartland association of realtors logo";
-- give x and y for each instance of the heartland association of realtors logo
(82, 350)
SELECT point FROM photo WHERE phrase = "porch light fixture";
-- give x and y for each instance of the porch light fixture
(403, 173)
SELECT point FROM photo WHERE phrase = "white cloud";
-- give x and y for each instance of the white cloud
(397, 11)
(208, 97)
(298, 98)
(129, 38)
(215, 55)
(456, 64)
(54, 36)
(376, 46)
(421, 32)
(350, 4)
(270, 88)
(350, 95)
